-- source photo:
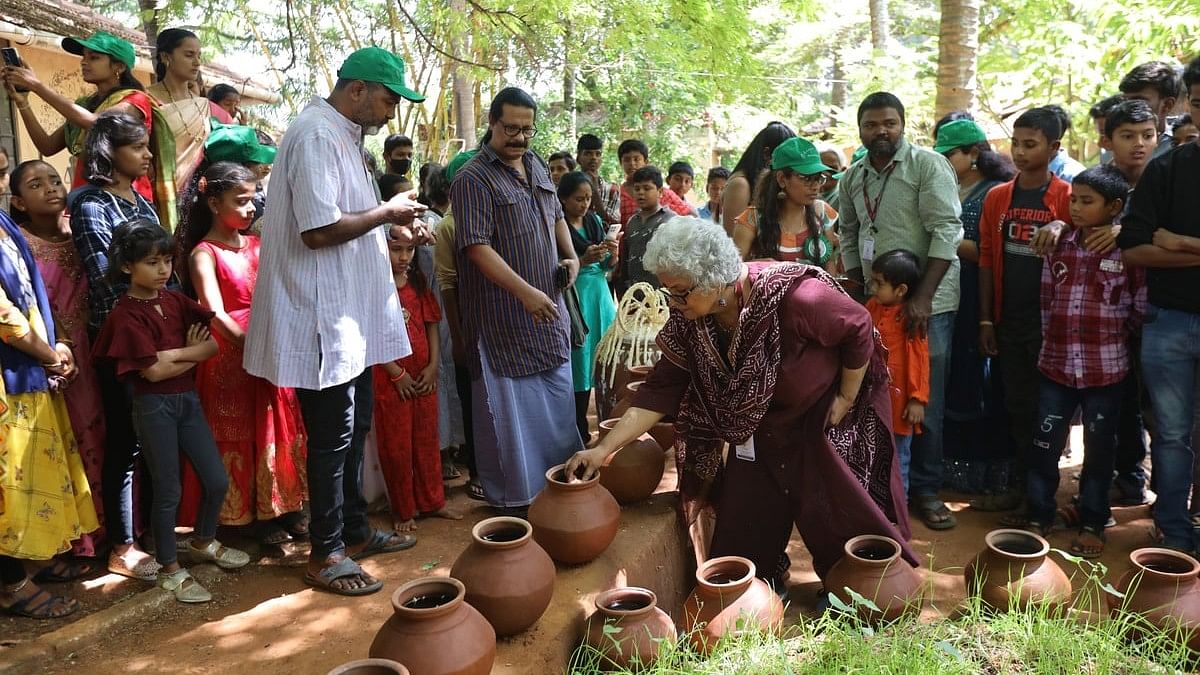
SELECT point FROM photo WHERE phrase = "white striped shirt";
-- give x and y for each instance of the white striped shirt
(320, 317)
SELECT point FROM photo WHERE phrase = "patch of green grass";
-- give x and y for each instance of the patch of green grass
(976, 640)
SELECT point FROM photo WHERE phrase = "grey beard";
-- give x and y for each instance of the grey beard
(371, 131)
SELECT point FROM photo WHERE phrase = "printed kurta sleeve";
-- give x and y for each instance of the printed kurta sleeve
(314, 182)
(663, 388)
(939, 207)
(815, 312)
(13, 324)
(473, 212)
(848, 222)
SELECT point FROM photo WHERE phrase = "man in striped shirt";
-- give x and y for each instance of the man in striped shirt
(514, 257)
(325, 308)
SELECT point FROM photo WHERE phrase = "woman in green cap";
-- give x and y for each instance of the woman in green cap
(788, 221)
(107, 65)
(976, 434)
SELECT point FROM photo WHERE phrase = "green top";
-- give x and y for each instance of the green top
(918, 211)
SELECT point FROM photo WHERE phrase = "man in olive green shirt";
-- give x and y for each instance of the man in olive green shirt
(903, 197)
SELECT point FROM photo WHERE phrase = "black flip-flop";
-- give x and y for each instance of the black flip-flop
(274, 534)
(934, 513)
(475, 490)
(343, 568)
(296, 523)
(27, 608)
(378, 543)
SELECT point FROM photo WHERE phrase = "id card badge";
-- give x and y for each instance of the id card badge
(867, 253)
(745, 450)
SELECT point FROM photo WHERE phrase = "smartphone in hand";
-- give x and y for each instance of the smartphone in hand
(12, 58)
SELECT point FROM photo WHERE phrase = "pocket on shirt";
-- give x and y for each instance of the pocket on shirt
(512, 214)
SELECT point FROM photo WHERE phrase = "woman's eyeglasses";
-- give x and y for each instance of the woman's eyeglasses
(679, 298)
(816, 180)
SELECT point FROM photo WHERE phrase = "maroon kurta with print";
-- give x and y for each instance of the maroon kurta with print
(834, 484)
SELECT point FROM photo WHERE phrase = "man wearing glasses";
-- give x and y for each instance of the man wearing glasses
(904, 197)
(515, 257)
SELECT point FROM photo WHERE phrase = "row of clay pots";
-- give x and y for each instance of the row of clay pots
(628, 629)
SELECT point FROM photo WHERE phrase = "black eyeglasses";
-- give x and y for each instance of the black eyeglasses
(511, 130)
(680, 298)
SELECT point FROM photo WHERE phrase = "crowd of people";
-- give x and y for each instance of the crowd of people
(186, 342)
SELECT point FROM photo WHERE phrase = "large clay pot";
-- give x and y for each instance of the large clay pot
(1014, 570)
(370, 667)
(727, 592)
(664, 433)
(435, 632)
(574, 522)
(626, 401)
(1161, 585)
(640, 624)
(633, 472)
(873, 568)
(509, 577)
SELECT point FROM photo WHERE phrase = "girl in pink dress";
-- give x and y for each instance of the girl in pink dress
(257, 425)
(37, 204)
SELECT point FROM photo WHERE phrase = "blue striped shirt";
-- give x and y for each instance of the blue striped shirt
(493, 206)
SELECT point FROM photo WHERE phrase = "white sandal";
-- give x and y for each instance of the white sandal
(184, 586)
(226, 558)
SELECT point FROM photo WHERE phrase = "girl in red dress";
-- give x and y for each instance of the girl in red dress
(406, 400)
(257, 425)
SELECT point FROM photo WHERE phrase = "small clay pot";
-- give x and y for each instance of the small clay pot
(626, 401)
(435, 632)
(1162, 586)
(574, 521)
(509, 577)
(873, 568)
(639, 373)
(664, 433)
(1015, 570)
(728, 593)
(634, 472)
(370, 667)
(640, 628)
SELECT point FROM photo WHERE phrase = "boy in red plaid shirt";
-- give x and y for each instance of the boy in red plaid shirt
(1091, 304)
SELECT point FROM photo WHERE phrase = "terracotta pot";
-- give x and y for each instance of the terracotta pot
(639, 373)
(664, 433)
(626, 401)
(1161, 585)
(634, 472)
(435, 632)
(873, 568)
(509, 578)
(370, 667)
(726, 592)
(574, 522)
(1015, 570)
(641, 628)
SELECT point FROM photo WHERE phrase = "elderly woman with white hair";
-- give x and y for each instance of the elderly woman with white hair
(776, 360)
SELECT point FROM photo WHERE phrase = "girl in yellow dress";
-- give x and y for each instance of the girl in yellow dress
(46, 502)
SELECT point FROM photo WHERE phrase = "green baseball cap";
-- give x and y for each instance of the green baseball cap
(798, 155)
(105, 43)
(372, 64)
(459, 160)
(858, 154)
(235, 143)
(957, 134)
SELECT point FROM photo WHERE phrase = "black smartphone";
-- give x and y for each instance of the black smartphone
(562, 277)
(12, 58)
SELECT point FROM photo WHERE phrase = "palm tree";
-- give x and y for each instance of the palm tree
(957, 43)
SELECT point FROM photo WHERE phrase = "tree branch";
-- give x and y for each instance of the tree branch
(439, 50)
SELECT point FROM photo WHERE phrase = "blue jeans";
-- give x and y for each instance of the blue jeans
(904, 456)
(926, 469)
(337, 420)
(1170, 355)
(167, 424)
(1101, 418)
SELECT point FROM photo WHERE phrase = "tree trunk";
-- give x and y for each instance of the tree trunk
(568, 91)
(463, 86)
(149, 15)
(839, 97)
(881, 26)
(958, 40)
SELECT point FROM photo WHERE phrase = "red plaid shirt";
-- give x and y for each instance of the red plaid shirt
(1091, 304)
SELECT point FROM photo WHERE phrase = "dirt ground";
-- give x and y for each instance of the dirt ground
(264, 617)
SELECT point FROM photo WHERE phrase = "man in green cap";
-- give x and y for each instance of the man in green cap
(325, 307)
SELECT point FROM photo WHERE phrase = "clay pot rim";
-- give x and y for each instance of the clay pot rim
(712, 565)
(611, 594)
(644, 368)
(477, 532)
(991, 537)
(406, 592)
(632, 387)
(1138, 556)
(855, 542)
(394, 666)
(563, 485)
(613, 420)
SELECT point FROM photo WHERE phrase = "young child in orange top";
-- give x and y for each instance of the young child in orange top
(406, 402)
(894, 275)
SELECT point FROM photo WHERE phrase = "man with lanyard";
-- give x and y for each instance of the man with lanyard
(515, 257)
(325, 308)
(905, 197)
